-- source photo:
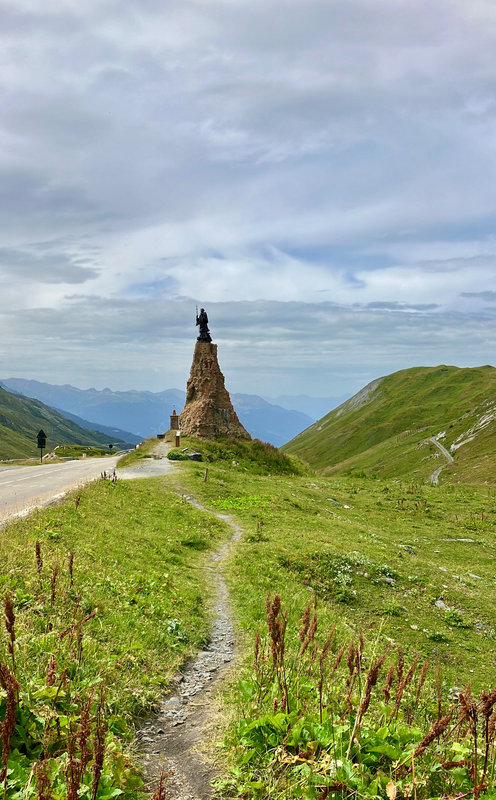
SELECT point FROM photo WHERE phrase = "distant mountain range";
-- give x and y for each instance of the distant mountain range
(114, 435)
(21, 418)
(387, 428)
(147, 413)
(266, 421)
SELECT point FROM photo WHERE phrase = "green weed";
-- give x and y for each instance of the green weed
(80, 451)
(329, 718)
(378, 553)
(103, 603)
(250, 455)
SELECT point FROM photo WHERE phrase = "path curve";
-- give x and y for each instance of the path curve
(449, 460)
(170, 741)
(151, 466)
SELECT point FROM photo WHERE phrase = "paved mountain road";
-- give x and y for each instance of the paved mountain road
(25, 488)
(449, 460)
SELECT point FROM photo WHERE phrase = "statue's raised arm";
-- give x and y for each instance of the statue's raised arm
(202, 321)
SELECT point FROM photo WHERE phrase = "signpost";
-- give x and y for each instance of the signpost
(42, 439)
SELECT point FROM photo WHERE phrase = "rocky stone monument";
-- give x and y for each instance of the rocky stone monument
(208, 411)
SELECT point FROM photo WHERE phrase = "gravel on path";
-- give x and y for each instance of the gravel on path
(154, 465)
(170, 741)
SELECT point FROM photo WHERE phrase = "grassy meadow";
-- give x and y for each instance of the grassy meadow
(347, 593)
(379, 554)
(105, 597)
(400, 575)
(81, 451)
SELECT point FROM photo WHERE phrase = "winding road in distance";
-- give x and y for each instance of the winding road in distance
(25, 488)
(449, 460)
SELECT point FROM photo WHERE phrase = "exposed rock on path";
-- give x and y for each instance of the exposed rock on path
(170, 741)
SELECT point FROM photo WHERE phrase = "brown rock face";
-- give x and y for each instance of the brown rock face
(208, 411)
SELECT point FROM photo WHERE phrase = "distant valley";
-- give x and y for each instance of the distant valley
(21, 418)
(395, 427)
(147, 413)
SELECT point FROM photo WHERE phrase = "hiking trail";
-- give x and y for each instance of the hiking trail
(169, 742)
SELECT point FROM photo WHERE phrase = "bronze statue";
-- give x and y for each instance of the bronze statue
(202, 321)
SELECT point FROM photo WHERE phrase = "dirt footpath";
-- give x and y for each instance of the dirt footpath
(170, 741)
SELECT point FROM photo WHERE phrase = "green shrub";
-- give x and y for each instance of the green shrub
(260, 458)
(177, 455)
(455, 619)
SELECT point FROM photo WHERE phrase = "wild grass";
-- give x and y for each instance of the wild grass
(80, 451)
(325, 710)
(330, 711)
(415, 562)
(103, 600)
(319, 717)
(250, 455)
(143, 450)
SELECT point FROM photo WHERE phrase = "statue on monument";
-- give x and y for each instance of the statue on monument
(202, 321)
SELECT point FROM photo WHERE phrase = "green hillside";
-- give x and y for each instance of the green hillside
(385, 429)
(365, 635)
(21, 418)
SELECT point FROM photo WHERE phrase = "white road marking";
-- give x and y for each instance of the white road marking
(44, 484)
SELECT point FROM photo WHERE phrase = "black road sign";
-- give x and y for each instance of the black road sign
(42, 439)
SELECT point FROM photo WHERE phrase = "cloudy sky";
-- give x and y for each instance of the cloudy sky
(319, 174)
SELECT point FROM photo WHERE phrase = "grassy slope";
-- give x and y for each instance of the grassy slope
(385, 431)
(137, 560)
(138, 555)
(345, 554)
(143, 450)
(409, 566)
(338, 536)
(21, 418)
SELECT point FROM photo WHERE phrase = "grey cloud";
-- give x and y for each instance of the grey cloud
(135, 130)
(454, 264)
(489, 296)
(260, 344)
(58, 121)
(403, 306)
(246, 125)
(43, 268)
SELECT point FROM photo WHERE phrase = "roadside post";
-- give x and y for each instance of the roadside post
(42, 439)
